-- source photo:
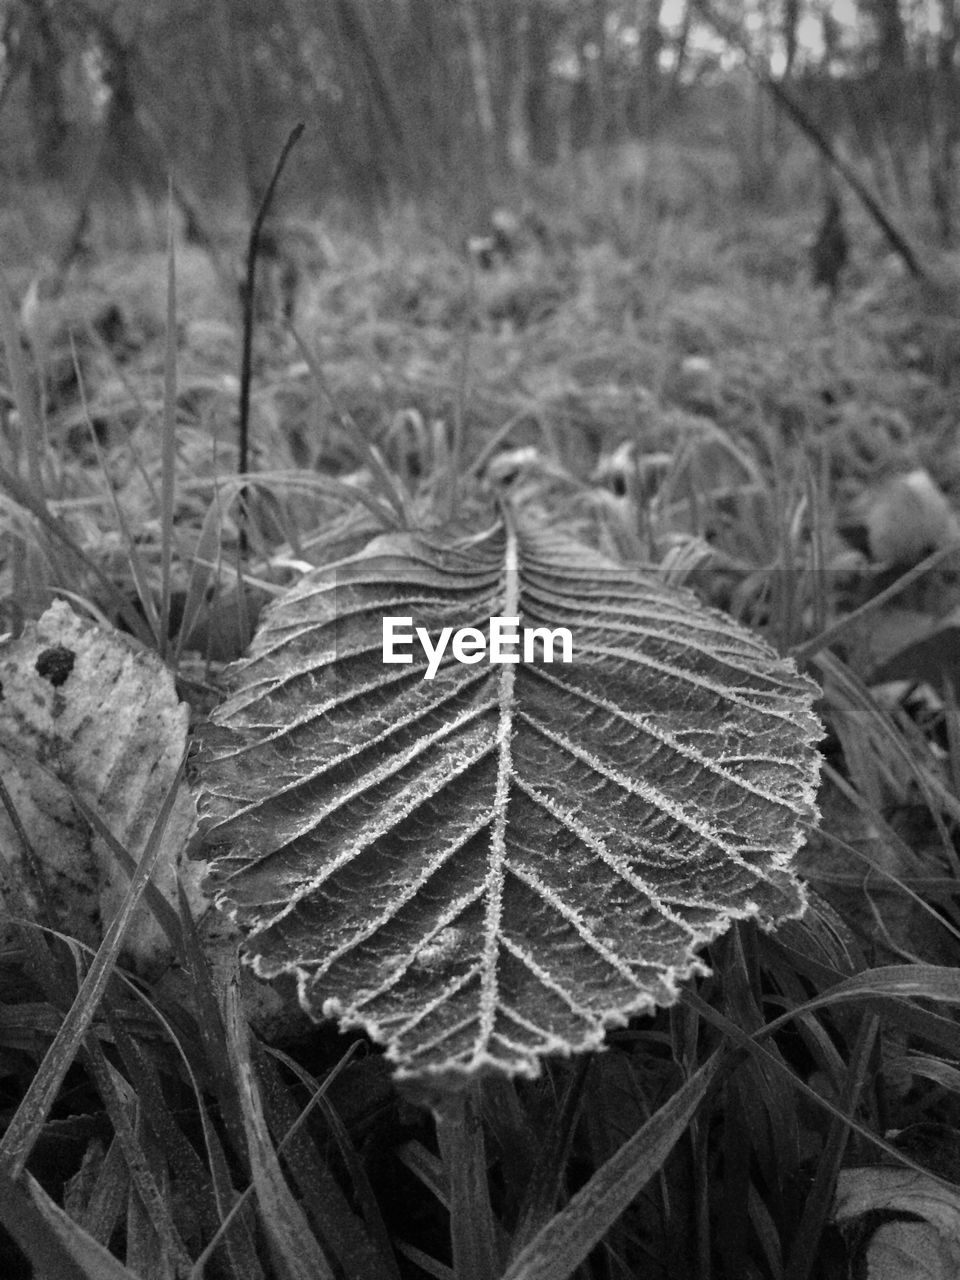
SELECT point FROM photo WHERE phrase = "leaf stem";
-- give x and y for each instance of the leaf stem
(472, 1226)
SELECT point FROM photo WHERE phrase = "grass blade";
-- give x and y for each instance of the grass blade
(31, 434)
(53, 1242)
(735, 1035)
(427, 1168)
(212, 1032)
(936, 982)
(473, 1228)
(208, 552)
(386, 485)
(168, 447)
(24, 1128)
(283, 1220)
(137, 567)
(149, 1210)
(557, 1250)
(159, 1122)
(816, 1210)
(53, 526)
(102, 1214)
(543, 1192)
(164, 912)
(430, 1266)
(363, 1254)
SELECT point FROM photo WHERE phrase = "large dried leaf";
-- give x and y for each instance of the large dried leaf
(502, 861)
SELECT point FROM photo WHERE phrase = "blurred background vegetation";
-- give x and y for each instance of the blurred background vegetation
(457, 103)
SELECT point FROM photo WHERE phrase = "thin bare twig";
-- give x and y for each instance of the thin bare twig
(253, 246)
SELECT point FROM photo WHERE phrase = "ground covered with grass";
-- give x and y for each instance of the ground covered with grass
(669, 388)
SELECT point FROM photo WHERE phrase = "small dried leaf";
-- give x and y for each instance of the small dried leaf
(903, 1250)
(93, 716)
(908, 518)
(910, 1251)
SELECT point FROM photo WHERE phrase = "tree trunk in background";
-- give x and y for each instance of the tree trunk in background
(231, 68)
(539, 116)
(891, 36)
(791, 19)
(681, 49)
(830, 32)
(946, 111)
(128, 156)
(788, 31)
(429, 96)
(889, 88)
(949, 33)
(651, 46)
(432, 74)
(131, 158)
(381, 133)
(44, 56)
(480, 79)
(600, 79)
(506, 34)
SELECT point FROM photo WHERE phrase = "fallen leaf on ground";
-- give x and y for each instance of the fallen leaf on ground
(84, 712)
(923, 1246)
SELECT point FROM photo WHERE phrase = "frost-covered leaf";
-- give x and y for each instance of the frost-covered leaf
(500, 862)
(82, 712)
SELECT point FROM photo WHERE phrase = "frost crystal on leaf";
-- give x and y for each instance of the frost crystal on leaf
(503, 861)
